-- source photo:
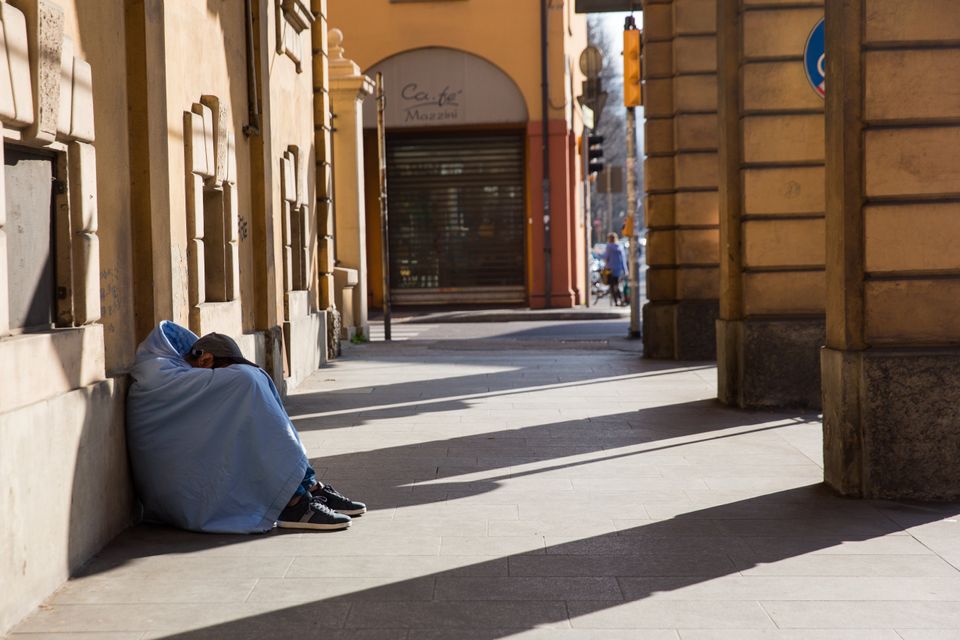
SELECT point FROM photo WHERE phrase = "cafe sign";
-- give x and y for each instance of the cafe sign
(419, 105)
(442, 87)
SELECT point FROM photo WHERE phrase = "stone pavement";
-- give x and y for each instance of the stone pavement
(519, 490)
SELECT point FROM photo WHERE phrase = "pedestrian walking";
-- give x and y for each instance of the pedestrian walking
(615, 262)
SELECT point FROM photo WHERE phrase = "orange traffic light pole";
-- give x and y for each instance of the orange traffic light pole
(632, 98)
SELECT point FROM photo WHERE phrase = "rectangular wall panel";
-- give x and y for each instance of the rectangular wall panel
(780, 293)
(912, 237)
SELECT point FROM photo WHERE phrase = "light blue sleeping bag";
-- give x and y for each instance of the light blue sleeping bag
(211, 449)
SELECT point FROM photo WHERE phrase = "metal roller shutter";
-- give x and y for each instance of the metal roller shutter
(456, 218)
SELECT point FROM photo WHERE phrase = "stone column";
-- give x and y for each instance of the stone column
(771, 322)
(680, 178)
(891, 369)
(322, 127)
(348, 88)
(153, 245)
(324, 170)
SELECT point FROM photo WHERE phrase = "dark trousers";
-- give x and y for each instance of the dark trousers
(309, 479)
(614, 282)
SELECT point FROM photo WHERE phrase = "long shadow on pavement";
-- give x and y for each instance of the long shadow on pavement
(338, 408)
(597, 581)
(607, 581)
(419, 474)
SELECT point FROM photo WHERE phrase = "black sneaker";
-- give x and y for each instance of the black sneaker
(335, 500)
(311, 514)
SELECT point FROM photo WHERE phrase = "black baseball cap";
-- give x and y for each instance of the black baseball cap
(223, 348)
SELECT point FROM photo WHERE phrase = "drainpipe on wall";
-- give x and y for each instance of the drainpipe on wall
(545, 133)
(252, 128)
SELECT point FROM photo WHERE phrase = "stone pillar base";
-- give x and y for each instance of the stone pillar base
(891, 423)
(683, 330)
(334, 327)
(305, 337)
(345, 281)
(563, 300)
(764, 363)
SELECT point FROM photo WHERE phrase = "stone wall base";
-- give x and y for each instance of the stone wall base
(683, 330)
(66, 490)
(770, 362)
(558, 300)
(274, 357)
(891, 423)
(306, 340)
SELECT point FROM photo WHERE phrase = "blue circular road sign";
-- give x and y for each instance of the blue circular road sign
(813, 59)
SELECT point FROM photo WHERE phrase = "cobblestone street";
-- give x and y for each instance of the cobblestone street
(538, 480)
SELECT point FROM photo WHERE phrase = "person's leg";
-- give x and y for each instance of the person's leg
(305, 489)
(309, 480)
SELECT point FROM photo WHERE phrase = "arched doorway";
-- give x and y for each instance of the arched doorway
(456, 178)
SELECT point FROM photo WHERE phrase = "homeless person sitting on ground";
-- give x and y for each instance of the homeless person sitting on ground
(211, 446)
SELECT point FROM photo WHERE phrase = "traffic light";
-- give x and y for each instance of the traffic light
(632, 95)
(594, 154)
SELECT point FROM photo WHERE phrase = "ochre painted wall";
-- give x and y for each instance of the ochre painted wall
(290, 118)
(377, 29)
(73, 421)
(205, 54)
(97, 31)
(504, 32)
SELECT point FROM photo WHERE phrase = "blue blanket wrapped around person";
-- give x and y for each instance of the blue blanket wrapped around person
(211, 449)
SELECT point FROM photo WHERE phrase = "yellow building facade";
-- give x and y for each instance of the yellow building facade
(210, 163)
(161, 161)
(465, 148)
(801, 190)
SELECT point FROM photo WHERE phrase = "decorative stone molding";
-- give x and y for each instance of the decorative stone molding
(348, 88)
(295, 214)
(65, 110)
(340, 66)
(198, 160)
(212, 204)
(46, 92)
(218, 137)
(16, 88)
(293, 18)
(83, 222)
(221, 219)
(45, 27)
(81, 102)
(46, 100)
